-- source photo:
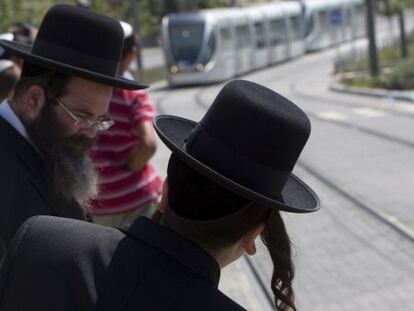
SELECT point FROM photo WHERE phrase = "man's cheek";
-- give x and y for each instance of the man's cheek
(80, 144)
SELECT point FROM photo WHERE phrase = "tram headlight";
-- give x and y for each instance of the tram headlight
(200, 67)
(173, 69)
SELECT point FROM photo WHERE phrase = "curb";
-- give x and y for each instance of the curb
(158, 85)
(381, 93)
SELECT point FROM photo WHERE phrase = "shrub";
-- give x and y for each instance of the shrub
(401, 76)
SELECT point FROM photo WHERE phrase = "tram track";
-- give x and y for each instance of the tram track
(402, 230)
(347, 104)
(261, 283)
(349, 125)
(368, 131)
(159, 102)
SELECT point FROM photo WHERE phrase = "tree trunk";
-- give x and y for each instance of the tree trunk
(137, 30)
(171, 6)
(403, 38)
(373, 51)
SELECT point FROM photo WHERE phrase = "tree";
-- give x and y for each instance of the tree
(372, 47)
(397, 7)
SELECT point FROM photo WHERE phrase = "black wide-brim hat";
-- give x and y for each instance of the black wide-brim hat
(248, 142)
(78, 42)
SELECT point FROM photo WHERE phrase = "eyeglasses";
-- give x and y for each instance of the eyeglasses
(101, 124)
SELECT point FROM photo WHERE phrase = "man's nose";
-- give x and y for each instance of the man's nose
(89, 132)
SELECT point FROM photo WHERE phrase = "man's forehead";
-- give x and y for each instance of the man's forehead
(84, 87)
(88, 96)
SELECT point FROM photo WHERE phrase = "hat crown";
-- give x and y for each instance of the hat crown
(258, 123)
(251, 130)
(80, 38)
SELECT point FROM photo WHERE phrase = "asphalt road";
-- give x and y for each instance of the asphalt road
(357, 252)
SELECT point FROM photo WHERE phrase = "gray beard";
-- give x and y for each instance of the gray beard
(69, 172)
(73, 177)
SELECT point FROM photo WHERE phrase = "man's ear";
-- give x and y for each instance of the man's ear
(250, 237)
(33, 100)
(163, 205)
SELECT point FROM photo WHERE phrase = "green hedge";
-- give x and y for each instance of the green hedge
(401, 76)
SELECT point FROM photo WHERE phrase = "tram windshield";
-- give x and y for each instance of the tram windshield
(185, 39)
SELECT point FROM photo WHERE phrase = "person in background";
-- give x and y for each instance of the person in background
(11, 63)
(9, 75)
(49, 125)
(128, 185)
(226, 185)
(9, 70)
(85, 4)
(22, 33)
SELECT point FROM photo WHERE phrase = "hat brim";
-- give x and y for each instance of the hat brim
(297, 196)
(24, 51)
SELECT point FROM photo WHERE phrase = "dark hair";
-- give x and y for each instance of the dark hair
(277, 241)
(55, 82)
(22, 32)
(129, 43)
(215, 218)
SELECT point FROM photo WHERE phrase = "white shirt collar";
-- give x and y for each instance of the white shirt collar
(10, 116)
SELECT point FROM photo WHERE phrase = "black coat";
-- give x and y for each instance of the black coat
(23, 188)
(62, 264)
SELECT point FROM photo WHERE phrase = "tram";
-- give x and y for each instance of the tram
(328, 23)
(218, 44)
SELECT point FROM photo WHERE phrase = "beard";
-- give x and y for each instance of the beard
(69, 169)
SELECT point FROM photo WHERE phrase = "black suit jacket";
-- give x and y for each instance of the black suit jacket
(23, 188)
(62, 264)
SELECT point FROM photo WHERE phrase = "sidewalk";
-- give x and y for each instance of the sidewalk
(382, 93)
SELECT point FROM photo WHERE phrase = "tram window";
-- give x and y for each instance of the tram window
(242, 36)
(296, 27)
(185, 40)
(347, 17)
(211, 47)
(277, 31)
(323, 20)
(225, 38)
(310, 24)
(360, 9)
(225, 33)
(260, 35)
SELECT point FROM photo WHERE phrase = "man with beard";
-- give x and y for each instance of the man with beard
(59, 105)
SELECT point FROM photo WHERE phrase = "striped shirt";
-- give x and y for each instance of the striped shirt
(121, 190)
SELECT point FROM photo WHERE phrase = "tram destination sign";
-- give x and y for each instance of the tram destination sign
(335, 17)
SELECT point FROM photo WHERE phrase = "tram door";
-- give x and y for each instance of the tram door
(243, 48)
(278, 40)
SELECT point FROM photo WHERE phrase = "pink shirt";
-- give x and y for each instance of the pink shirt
(121, 190)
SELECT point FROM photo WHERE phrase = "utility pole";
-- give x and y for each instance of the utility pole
(137, 31)
(373, 52)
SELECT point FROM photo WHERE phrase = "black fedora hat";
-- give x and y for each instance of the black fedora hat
(78, 42)
(248, 142)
